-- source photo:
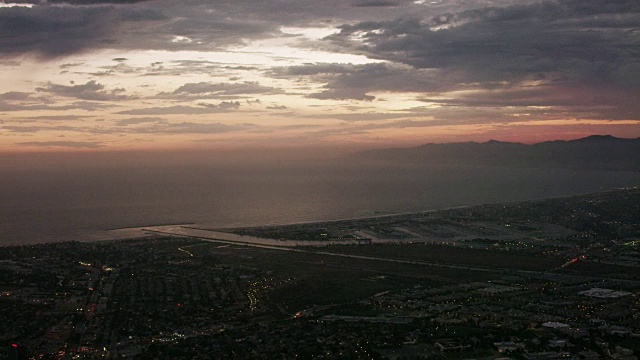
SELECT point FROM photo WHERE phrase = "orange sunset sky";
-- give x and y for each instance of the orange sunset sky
(199, 74)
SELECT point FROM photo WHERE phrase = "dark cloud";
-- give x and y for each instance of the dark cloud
(225, 105)
(25, 30)
(52, 31)
(94, 2)
(354, 82)
(70, 65)
(604, 102)
(375, 3)
(15, 96)
(22, 101)
(314, 69)
(240, 67)
(62, 27)
(90, 91)
(578, 57)
(277, 107)
(170, 68)
(228, 105)
(220, 90)
(343, 94)
(585, 41)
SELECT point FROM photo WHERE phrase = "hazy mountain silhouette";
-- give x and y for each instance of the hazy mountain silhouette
(601, 152)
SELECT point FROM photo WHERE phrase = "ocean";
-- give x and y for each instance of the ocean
(74, 203)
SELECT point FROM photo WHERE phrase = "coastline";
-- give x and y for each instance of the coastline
(124, 233)
(227, 234)
(408, 213)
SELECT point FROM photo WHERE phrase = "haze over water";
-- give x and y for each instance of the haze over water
(57, 203)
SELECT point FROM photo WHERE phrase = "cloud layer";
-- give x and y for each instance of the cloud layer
(573, 41)
(349, 71)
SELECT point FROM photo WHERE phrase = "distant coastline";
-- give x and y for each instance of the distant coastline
(407, 213)
(149, 230)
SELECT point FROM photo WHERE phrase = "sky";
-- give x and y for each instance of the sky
(100, 75)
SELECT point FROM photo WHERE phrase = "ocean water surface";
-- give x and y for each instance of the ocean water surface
(57, 204)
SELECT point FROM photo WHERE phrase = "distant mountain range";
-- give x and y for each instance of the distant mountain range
(601, 152)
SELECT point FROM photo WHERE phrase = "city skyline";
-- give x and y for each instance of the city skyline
(156, 75)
